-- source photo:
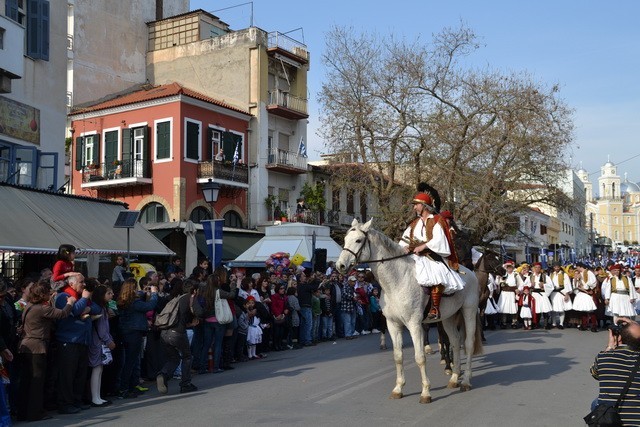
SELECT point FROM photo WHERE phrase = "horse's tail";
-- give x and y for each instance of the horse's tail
(477, 342)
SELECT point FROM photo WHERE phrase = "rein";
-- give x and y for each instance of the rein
(368, 241)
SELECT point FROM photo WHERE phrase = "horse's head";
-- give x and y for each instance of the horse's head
(355, 248)
(491, 262)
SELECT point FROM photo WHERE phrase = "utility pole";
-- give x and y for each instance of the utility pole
(591, 235)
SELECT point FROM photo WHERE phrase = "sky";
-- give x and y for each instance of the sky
(591, 49)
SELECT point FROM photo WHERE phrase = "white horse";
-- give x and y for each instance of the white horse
(403, 303)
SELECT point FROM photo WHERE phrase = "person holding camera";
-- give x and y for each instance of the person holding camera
(614, 367)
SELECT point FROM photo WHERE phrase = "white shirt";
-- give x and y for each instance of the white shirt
(438, 242)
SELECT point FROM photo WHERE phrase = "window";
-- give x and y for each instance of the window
(232, 147)
(615, 220)
(152, 213)
(200, 214)
(232, 219)
(335, 199)
(47, 167)
(214, 146)
(283, 197)
(1, 38)
(14, 9)
(135, 151)
(192, 140)
(350, 208)
(25, 162)
(111, 151)
(87, 150)
(163, 140)
(38, 29)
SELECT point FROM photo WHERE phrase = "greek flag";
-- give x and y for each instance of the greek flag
(302, 148)
(236, 154)
(213, 237)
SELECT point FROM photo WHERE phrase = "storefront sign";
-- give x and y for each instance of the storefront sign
(19, 120)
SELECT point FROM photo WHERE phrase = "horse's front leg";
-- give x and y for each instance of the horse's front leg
(472, 334)
(395, 332)
(417, 336)
(451, 329)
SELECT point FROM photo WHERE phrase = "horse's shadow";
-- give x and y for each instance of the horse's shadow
(515, 366)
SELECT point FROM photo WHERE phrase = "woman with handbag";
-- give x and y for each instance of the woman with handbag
(101, 344)
(37, 321)
(214, 328)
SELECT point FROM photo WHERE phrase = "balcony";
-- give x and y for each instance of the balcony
(285, 105)
(225, 173)
(116, 174)
(288, 47)
(286, 161)
(12, 58)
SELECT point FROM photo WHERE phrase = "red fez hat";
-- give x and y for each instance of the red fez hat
(423, 198)
(250, 298)
(537, 264)
(509, 263)
(637, 267)
(615, 267)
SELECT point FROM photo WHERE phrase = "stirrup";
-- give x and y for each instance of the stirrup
(434, 314)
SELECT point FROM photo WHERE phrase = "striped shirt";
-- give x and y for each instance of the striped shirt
(612, 369)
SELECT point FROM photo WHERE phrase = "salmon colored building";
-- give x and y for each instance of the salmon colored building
(153, 148)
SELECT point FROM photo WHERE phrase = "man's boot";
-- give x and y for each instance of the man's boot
(436, 295)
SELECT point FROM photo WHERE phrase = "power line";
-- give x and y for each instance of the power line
(617, 164)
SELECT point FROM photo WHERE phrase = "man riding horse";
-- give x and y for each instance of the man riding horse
(429, 239)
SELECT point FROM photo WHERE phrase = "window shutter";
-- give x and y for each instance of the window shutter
(228, 145)
(96, 149)
(127, 152)
(79, 151)
(146, 152)
(44, 30)
(208, 147)
(33, 29)
(11, 9)
(193, 139)
(163, 139)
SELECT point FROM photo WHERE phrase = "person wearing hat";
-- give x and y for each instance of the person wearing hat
(510, 283)
(436, 263)
(560, 297)
(541, 287)
(585, 283)
(619, 294)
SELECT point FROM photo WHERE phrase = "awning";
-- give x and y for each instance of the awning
(38, 221)
(234, 240)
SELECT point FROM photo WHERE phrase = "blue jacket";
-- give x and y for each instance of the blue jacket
(73, 329)
(134, 318)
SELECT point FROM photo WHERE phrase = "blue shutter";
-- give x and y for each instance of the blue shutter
(44, 30)
(33, 29)
(11, 9)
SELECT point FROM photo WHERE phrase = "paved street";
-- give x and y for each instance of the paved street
(524, 378)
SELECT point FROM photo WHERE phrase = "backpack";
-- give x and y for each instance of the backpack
(168, 317)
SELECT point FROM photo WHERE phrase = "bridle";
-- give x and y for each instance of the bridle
(367, 242)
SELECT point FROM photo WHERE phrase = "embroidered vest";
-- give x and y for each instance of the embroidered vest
(428, 232)
(614, 282)
(560, 276)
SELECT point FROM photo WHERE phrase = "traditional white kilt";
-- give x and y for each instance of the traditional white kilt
(558, 304)
(431, 273)
(584, 302)
(525, 312)
(543, 305)
(507, 303)
(491, 307)
(620, 305)
(254, 335)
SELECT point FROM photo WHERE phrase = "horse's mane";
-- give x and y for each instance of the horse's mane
(389, 245)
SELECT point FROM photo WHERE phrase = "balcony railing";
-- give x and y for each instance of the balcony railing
(116, 173)
(221, 170)
(288, 101)
(286, 160)
(283, 42)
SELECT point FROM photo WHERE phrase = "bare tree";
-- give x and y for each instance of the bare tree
(491, 143)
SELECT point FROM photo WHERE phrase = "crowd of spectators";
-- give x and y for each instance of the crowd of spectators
(69, 343)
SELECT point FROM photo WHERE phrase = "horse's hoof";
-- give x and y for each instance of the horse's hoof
(428, 350)
(453, 385)
(465, 387)
(443, 362)
(425, 399)
(395, 395)
(448, 372)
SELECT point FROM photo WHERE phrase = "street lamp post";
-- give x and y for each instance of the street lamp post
(210, 192)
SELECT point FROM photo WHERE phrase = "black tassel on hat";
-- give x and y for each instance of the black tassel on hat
(423, 187)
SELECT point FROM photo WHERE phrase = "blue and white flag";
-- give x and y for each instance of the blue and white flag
(302, 148)
(213, 236)
(236, 154)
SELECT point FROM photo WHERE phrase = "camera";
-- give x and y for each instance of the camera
(617, 327)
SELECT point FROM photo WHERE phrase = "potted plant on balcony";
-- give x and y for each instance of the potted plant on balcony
(270, 201)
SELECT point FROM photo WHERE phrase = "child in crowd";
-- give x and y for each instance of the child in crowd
(242, 331)
(326, 328)
(63, 268)
(376, 311)
(526, 307)
(316, 311)
(254, 334)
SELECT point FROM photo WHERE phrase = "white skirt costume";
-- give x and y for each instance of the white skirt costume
(583, 301)
(619, 297)
(428, 271)
(561, 287)
(507, 303)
